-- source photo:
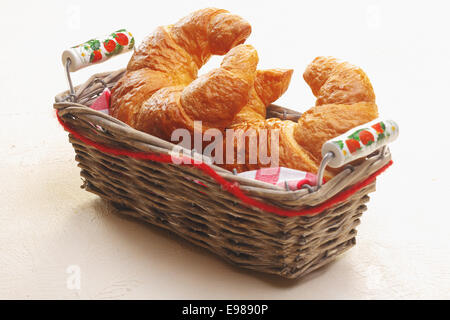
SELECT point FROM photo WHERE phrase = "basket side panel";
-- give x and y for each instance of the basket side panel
(165, 196)
(204, 214)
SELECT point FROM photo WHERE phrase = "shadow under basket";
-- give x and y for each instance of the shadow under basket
(170, 195)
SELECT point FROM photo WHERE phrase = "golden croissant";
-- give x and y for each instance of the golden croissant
(345, 99)
(160, 91)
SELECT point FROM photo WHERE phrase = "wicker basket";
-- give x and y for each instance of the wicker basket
(169, 195)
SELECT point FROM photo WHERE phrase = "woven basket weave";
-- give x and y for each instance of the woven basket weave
(167, 195)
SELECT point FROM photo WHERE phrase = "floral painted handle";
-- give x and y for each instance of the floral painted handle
(98, 49)
(360, 141)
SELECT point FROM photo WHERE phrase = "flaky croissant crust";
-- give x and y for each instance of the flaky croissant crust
(345, 99)
(169, 60)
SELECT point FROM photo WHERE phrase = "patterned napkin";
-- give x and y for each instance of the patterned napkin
(281, 176)
(102, 102)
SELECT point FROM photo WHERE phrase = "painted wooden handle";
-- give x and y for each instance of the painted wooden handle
(360, 141)
(98, 49)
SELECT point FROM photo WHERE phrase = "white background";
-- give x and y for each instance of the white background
(49, 226)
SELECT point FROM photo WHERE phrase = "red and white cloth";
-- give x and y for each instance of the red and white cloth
(279, 176)
(102, 102)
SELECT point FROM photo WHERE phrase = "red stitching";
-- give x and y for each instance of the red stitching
(226, 185)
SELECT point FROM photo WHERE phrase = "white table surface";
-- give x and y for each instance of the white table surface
(49, 226)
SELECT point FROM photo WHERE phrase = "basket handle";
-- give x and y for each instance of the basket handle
(97, 50)
(357, 143)
(94, 51)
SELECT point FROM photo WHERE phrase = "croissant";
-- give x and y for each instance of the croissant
(160, 91)
(345, 99)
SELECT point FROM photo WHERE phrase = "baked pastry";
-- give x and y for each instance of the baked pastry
(345, 99)
(160, 90)
(213, 98)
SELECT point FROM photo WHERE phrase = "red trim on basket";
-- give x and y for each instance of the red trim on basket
(232, 188)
